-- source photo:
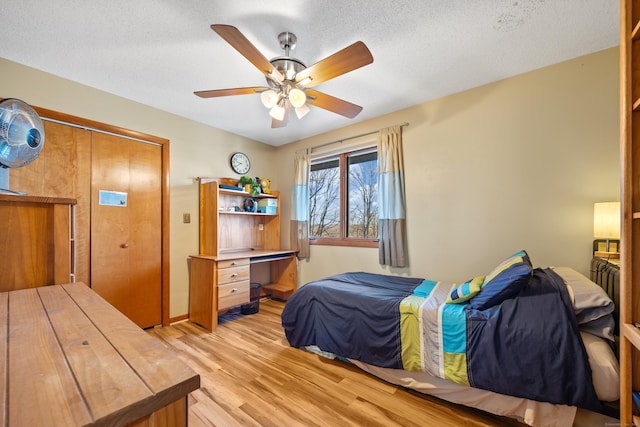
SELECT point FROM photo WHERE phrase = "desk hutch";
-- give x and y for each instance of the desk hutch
(237, 248)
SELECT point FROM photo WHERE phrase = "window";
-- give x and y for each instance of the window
(343, 199)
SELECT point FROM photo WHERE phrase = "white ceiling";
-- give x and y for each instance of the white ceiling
(158, 52)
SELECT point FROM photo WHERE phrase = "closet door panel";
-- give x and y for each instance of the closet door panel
(145, 189)
(126, 240)
(110, 224)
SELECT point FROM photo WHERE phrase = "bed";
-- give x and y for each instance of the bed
(532, 344)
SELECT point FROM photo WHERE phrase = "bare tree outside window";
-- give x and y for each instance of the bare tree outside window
(343, 199)
(363, 196)
(324, 199)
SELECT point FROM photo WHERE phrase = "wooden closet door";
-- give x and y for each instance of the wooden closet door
(126, 241)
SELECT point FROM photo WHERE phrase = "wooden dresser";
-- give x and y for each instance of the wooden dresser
(69, 358)
(37, 245)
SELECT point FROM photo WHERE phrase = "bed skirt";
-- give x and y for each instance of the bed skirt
(530, 412)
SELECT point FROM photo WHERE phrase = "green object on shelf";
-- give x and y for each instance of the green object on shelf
(244, 180)
(255, 189)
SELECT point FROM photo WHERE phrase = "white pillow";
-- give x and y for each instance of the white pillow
(605, 369)
(590, 301)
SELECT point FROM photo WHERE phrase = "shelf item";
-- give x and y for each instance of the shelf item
(224, 190)
(630, 239)
(268, 206)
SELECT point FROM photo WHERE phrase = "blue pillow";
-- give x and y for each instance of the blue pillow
(504, 282)
(465, 291)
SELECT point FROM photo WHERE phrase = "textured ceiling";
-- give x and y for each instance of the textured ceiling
(158, 52)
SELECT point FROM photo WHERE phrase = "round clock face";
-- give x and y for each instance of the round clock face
(240, 163)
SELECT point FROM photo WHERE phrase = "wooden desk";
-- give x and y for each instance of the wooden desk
(222, 281)
(69, 358)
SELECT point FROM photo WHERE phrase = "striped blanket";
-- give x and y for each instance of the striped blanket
(528, 346)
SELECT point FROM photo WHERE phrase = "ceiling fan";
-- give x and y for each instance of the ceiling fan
(289, 81)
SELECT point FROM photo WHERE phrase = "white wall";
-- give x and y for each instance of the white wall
(513, 165)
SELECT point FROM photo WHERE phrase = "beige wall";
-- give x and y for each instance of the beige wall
(512, 165)
(195, 150)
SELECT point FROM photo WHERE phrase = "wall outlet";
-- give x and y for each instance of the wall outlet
(260, 227)
(186, 218)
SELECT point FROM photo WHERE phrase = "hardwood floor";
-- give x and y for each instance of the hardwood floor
(250, 376)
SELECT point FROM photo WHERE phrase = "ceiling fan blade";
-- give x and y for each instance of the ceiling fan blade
(282, 123)
(240, 43)
(278, 123)
(333, 104)
(348, 59)
(228, 92)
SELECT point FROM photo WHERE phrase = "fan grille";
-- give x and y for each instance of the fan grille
(21, 133)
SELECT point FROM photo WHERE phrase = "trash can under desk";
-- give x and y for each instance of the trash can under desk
(254, 300)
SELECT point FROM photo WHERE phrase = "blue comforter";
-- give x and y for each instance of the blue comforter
(528, 346)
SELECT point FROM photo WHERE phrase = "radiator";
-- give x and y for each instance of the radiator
(606, 274)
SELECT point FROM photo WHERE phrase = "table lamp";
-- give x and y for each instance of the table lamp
(606, 226)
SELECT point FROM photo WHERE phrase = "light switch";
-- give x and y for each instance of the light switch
(186, 218)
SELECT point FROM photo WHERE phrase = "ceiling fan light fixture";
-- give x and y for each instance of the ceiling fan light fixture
(269, 98)
(297, 97)
(277, 111)
(289, 80)
(302, 111)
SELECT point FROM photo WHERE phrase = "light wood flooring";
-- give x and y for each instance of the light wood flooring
(250, 376)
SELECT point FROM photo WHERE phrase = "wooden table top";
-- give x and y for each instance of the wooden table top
(67, 357)
(249, 253)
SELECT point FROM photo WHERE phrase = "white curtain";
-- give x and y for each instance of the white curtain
(300, 206)
(391, 200)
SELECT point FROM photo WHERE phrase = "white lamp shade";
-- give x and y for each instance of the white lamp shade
(302, 111)
(269, 98)
(297, 97)
(277, 112)
(606, 220)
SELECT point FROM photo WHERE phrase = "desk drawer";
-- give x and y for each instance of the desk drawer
(233, 262)
(233, 274)
(233, 294)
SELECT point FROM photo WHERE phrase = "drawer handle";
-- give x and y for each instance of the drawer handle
(234, 263)
(234, 290)
(234, 275)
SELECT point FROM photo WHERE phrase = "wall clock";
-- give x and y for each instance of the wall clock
(240, 163)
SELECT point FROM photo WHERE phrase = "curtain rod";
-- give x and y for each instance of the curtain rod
(350, 137)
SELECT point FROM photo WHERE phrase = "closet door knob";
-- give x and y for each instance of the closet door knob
(124, 246)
